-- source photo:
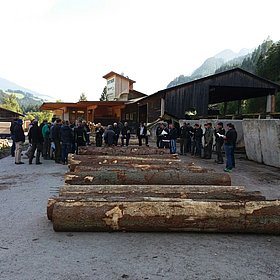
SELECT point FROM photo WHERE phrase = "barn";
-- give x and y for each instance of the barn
(197, 95)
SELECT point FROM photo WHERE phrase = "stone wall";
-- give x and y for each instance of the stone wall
(262, 141)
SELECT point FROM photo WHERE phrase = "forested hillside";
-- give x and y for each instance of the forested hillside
(264, 61)
(27, 101)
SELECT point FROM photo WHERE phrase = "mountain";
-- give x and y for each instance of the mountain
(27, 99)
(212, 64)
(6, 85)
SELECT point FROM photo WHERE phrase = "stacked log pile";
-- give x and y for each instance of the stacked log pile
(155, 192)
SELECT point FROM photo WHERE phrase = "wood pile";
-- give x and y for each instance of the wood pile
(155, 192)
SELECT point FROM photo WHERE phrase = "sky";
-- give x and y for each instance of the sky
(62, 48)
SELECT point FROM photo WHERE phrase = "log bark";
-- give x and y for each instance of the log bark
(105, 192)
(141, 167)
(86, 160)
(146, 177)
(143, 150)
(168, 215)
(174, 191)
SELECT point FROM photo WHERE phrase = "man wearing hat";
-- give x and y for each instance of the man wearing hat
(19, 140)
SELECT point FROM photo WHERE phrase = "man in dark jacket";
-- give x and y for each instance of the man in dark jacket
(142, 134)
(13, 147)
(36, 139)
(109, 136)
(99, 131)
(55, 134)
(66, 135)
(183, 139)
(19, 140)
(208, 140)
(219, 139)
(197, 140)
(230, 142)
(80, 136)
(125, 134)
(159, 136)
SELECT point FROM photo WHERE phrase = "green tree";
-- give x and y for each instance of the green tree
(104, 96)
(40, 116)
(11, 103)
(83, 97)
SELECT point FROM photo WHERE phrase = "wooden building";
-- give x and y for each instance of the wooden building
(178, 101)
(6, 117)
(197, 95)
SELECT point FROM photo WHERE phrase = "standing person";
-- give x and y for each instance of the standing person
(109, 136)
(13, 147)
(99, 131)
(142, 133)
(230, 142)
(47, 140)
(165, 137)
(117, 133)
(197, 140)
(125, 134)
(219, 139)
(208, 141)
(159, 136)
(19, 140)
(66, 134)
(189, 137)
(87, 129)
(36, 139)
(80, 136)
(173, 138)
(56, 139)
(183, 139)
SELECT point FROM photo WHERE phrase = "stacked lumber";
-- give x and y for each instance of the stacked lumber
(155, 192)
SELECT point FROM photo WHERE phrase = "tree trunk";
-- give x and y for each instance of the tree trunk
(88, 160)
(174, 191)
(105, 192)
(157, 214)
(136, 150)
(141, 167)
(132, 176)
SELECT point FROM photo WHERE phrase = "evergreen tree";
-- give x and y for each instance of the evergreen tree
(104, 96)
(11, 103)
(83, 97)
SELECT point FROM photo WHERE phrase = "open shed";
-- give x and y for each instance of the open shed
(197, 95)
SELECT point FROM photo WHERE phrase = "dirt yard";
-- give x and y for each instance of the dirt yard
(30, 249)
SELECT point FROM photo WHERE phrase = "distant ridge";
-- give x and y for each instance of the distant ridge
(6, 85)
(211, 65)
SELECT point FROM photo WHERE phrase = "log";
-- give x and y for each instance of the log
(143, 150)
(174, 191)
(145, 177)
(141, 167)
(86, 160)
(168, 215)
(102, 192)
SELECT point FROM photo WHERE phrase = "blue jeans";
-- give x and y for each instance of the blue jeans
(172, 146)
(66, 148)
(229, 150)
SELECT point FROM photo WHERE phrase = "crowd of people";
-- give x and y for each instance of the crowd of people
(55, 140)
(200, 143)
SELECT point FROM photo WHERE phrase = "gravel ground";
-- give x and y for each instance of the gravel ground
(30, 249)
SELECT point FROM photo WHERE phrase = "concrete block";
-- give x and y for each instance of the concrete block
(252, 140)
(262, 141)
